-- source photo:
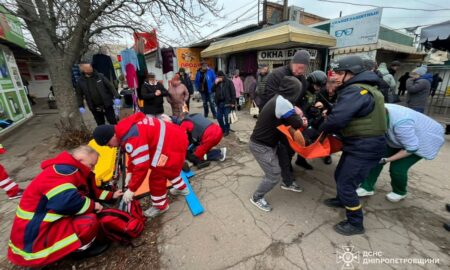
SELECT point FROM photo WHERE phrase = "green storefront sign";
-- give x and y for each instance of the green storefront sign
(11, 28)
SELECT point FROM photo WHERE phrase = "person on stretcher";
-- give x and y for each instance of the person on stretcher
(316, 107)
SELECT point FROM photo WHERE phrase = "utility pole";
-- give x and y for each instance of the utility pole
(259, 5)
(285, 10)
(264, 12)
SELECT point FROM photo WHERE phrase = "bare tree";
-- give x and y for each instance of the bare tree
(64, 29)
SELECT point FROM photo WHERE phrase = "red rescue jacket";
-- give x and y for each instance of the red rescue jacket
(42, 232)
(151, 143)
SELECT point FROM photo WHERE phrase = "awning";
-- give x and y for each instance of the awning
(436, 36)
(380, 45)
(272, 37)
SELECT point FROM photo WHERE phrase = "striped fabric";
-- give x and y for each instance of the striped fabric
(414, 132)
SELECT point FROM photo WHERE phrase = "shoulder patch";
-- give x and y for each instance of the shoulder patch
(364, 92)
(65, 170)
(128, 148)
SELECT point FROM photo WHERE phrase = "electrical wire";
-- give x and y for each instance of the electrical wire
(386, 7)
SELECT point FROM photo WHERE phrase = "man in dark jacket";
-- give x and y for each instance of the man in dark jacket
(434, 85)
(394, 66)
(360, 117)
(402, 85)
(261, 84)
(297, 68)
(99, 93)
(383, 86)
(153, 93)
(265, 138)
(225, 100)
(186, 80)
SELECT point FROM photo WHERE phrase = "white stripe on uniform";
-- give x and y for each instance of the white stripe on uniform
(139, 150)
(140, 160)
(10, 186)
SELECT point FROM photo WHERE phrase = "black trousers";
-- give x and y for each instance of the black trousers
(285, 154)
(101, 113)
(350, 172)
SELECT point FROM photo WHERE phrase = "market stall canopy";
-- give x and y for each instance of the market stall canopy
(279, 35)
(436, 36)
(380, 45)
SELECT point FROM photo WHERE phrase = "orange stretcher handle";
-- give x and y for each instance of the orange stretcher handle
(322, 147)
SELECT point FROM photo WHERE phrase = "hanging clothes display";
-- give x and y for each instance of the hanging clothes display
(103, 64)
(129, 65)
(129, 56)
(141, 73)
(167, 59)
(131, 76)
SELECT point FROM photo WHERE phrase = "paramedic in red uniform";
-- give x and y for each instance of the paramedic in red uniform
(205, 134)
(6, 183)
(151, 143)
(55, 216)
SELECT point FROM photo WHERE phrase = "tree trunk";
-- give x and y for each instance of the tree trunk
(61, 76)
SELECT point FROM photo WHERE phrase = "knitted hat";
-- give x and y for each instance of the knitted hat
(181, 70)
(420, 70)
(290, 88)
(151, 75)
(103, 133)
(301, 57)
(220, 73)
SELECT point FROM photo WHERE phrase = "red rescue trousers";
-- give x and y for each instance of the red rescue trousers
(158, 186)
(86, 227)
(7, 184)
(211, 137)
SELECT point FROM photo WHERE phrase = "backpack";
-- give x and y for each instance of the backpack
(121, 226)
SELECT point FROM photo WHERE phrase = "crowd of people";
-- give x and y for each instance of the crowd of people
(59, 211)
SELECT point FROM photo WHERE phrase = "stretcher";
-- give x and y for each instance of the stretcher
(322, 147)
(110, 166)
(110, 172)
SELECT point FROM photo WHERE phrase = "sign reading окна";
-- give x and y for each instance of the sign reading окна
(283, 54)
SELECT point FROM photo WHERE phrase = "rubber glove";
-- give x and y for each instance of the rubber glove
(117, 102)
(128, 196)
(82, 110)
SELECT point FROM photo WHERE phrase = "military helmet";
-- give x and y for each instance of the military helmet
(352, 63)
(317, 77)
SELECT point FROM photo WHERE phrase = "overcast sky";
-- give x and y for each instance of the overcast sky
(246, 11)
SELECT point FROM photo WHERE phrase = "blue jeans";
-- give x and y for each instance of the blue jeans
(208, 98)
(222, 117)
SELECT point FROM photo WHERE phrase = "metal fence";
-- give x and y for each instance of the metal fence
(439, 104)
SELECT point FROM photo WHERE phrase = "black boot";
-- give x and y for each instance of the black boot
(334, 203)
(447, 226)
(97, 248)
(327, 160)
(447, 129)
(348, 229)
(447, 206)
(303, 163)
(200, 164)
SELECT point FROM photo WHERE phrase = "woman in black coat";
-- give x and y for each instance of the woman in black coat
(153, 93)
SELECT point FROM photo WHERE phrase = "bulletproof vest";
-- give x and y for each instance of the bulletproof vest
(373, 124)
(200, 125)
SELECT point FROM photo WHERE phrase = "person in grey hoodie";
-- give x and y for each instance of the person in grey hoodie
(387, 77)
(418, 87)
